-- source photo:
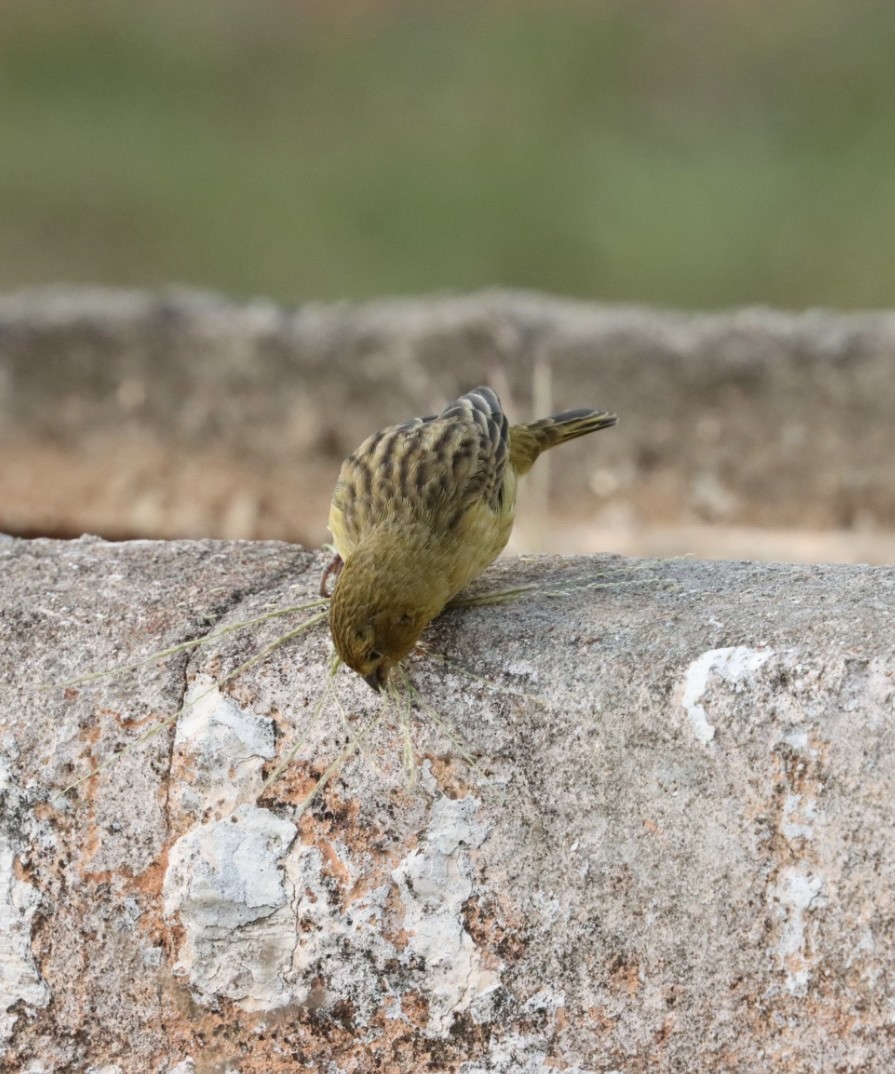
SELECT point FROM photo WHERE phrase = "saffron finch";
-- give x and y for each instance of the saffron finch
(419, 510)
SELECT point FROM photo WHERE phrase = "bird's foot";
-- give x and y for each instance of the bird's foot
(332, 571)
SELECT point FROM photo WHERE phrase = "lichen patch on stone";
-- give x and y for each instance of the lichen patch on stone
(20, 980)
(733, 664)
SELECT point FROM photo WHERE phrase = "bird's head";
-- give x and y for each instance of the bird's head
(377, 615)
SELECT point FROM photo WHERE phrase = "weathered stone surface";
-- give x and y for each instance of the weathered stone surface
(182, 414)
(674, 850)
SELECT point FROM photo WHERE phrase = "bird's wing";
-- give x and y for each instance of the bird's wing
(427, 469)
(477, 452)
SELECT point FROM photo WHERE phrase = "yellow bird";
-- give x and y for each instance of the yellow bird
(419, 510)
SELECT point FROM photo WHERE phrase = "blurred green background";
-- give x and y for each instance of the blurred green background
(693, 154)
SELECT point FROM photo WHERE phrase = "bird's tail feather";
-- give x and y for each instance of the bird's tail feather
(528, 441)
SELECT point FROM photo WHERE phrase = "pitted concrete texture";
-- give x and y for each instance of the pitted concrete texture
(637, 818)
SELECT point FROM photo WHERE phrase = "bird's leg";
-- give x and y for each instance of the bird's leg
(332, 571)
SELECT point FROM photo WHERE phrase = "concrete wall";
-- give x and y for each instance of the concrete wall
(741, 433)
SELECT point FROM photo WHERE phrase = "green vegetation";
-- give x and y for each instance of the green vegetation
(688, 154)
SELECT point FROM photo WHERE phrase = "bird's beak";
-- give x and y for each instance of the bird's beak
(376, 679)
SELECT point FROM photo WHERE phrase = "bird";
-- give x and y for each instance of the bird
(419, 510)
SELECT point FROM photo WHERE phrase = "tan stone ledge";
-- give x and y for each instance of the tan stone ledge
(180, 414)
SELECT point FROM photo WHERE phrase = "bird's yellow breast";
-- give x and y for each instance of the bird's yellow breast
(463, 550)
(482, 534)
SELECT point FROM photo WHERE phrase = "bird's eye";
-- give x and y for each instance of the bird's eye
(373, 654)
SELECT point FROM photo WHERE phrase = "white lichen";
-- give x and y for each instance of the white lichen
(435, 880)
(20, 980)
(733, 664)
(225, 746)
(790, 897)
(225, 883)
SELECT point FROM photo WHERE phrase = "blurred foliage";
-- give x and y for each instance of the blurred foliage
(686, 153)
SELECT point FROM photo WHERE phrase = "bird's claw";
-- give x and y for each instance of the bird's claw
(332, 571)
